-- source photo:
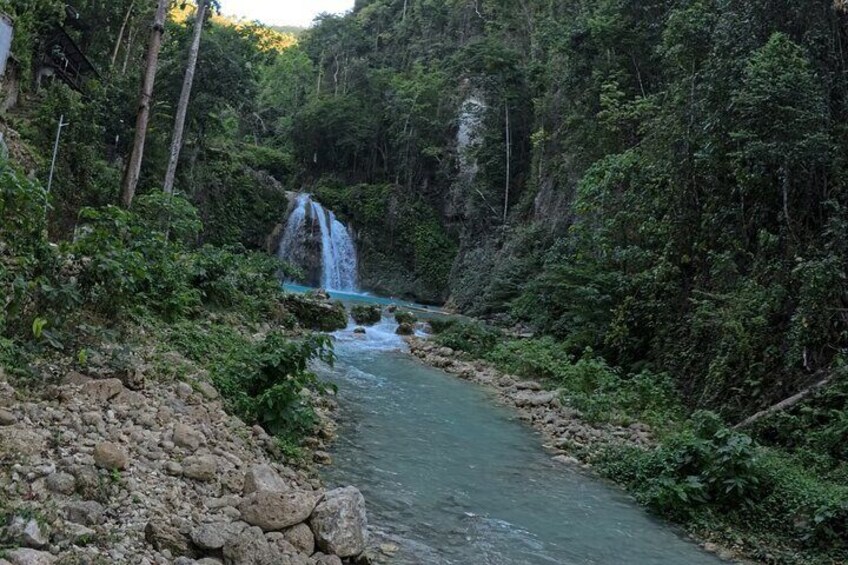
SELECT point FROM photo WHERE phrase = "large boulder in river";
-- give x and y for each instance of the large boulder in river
(339, 522)
(405, 317)
(405, 329)
(366, 315)
(316, 313)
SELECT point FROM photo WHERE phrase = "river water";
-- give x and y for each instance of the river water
(453, 478)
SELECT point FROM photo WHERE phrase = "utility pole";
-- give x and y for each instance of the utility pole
(62, 125)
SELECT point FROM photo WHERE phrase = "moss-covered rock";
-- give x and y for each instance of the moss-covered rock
(405, 329)
(366, 315)
(405, 317)
(317, 313)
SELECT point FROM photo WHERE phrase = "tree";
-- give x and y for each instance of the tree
(133, 170)
(185, 95)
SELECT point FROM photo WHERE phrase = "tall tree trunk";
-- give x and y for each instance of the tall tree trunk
(185, 96)
(131, 175)
(508, 165)
(128, 51)
(121, 34)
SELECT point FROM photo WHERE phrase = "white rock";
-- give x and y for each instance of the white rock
(339, 522)
(263, 478)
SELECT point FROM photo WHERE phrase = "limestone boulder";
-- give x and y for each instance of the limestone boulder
(339, 523)
(274, 511)
(200, 467)
(110, 456)
(27, 556)
(263, 478)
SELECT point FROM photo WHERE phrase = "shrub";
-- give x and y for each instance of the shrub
(261, 382)
(706, 464)
(30, 283)
(236, 279)
(470, 337)
(122, 265)
(601, 392)
(441, 325)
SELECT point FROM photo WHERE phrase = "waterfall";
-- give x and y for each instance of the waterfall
(311, 229)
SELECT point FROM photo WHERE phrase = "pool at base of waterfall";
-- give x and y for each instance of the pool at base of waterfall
(451, 477)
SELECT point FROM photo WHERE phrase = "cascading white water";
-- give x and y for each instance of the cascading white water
(339, 269)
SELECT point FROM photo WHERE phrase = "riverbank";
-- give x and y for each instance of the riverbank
(146, 462)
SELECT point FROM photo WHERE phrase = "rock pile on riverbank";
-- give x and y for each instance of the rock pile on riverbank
(93, 472)
(564, 429)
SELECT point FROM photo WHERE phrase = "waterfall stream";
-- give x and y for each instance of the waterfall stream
(314, 232)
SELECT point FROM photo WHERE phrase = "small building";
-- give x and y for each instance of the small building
(60, 58)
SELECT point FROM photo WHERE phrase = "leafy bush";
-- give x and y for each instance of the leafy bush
(705, 464)
(236, 279)
(30, 283)
(601, 392)
(261, 382)
(470, 337)
(122, 265)
(277, 387)
(441, 325)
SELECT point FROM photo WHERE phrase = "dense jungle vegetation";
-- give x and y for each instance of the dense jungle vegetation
(656, 189)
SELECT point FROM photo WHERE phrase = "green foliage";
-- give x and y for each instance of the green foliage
(469, 337)
(29, 265)
(122, 264)
(263, 382)
(601, 392)
(283, 375)
(709, 464)
(708, 471)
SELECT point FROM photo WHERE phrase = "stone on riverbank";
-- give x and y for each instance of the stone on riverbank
(110, 456)
(274, 511)
(339, 522)
(263, 478)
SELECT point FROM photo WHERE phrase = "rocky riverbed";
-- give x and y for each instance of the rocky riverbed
(94, 472)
